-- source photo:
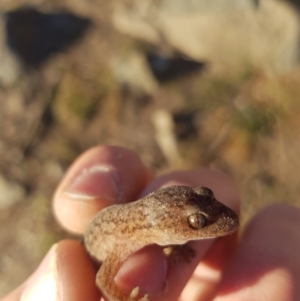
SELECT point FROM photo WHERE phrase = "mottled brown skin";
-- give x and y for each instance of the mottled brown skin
(169, 216)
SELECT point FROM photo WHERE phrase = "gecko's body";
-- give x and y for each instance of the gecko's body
(169, 216)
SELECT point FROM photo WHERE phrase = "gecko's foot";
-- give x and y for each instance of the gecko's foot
(134, 295)
(145, 298)
(179, 253)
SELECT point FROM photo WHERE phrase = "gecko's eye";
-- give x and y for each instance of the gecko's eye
(197, 220)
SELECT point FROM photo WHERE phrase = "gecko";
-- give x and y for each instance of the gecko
(169, 216)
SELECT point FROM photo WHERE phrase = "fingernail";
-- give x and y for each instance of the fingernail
(43, 284)
(99, 181)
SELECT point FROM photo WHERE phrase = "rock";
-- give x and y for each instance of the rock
(133, 70)
(53, 170)
(10, 193)
(190, 6)
(11, 68)
(240, 38)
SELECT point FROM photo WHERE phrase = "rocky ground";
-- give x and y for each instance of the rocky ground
(183, 85)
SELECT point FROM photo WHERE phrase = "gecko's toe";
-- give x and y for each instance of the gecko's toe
(179, 253)
(134, 295)
(145, 298)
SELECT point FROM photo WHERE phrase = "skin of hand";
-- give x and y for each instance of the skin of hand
(263, 265)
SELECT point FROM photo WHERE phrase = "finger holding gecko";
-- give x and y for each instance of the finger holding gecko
(148, 269)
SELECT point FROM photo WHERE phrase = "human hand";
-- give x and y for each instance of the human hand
(261, 266)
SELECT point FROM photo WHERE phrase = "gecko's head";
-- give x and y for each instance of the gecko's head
(194, 213)
(208, 215)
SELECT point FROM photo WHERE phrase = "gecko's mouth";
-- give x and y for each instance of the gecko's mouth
(223, 226)
(228, 224)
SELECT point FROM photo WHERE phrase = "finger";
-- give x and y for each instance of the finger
(102, 176)
(178, 275)
(266, 265)
(222, 185)
(206, 277)
(66, 273)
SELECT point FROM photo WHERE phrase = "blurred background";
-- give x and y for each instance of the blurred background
(184, 83)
